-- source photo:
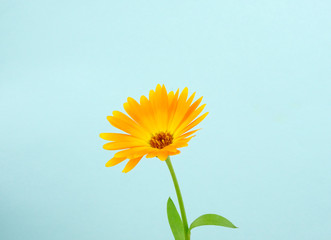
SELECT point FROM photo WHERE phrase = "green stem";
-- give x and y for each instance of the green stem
(180, 199)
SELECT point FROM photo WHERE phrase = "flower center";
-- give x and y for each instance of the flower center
(161, 140)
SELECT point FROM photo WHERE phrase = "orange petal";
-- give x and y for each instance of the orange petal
(191, 113)
(124, 126)
(189, 119)
(182, 142)
(163, 108)
(131, 164)
(174, 153)
(152, 154)
(187, 134)
(114, 161)
(178, 114)
(133, 152)
(140, 114)
(148, 113)
(170, 148)
(162, 154)
(173, 101)
(159, 102)
(171, 96)
(191, 125)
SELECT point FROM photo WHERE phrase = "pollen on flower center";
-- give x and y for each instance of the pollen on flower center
(161, 140)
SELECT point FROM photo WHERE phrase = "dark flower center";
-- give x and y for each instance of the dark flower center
(161, 140)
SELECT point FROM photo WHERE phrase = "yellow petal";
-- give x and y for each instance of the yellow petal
(122, 145)
(119, 137)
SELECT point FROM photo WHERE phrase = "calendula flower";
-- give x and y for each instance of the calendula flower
(156, 127)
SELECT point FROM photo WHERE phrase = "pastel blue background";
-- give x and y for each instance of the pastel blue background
(262, 158)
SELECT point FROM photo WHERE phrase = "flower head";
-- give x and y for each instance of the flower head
(155, 127)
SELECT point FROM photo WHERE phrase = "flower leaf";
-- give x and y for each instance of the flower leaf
(175, 221)
(212, 219)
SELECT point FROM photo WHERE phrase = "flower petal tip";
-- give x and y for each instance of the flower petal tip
(102, 135)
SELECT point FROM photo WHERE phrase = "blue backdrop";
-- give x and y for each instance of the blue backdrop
(262, 158)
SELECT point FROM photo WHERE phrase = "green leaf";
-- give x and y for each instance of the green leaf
(175, 221)
(212, 219)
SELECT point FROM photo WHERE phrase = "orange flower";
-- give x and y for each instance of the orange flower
(157, 127)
